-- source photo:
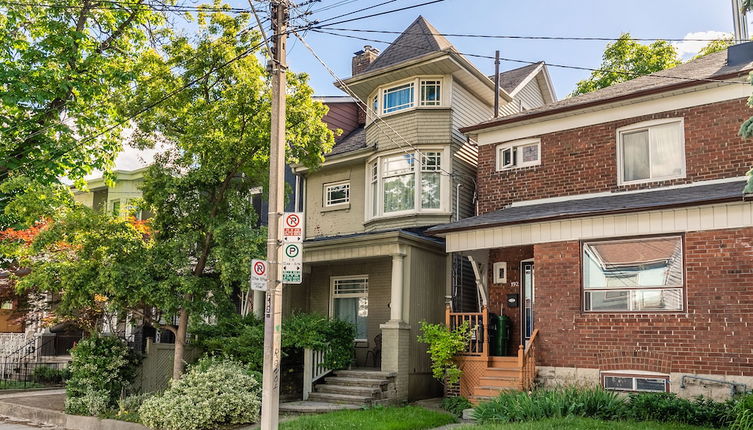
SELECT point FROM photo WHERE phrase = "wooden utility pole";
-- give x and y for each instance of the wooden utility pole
(270, 397)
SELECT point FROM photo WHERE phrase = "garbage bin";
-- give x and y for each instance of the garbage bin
(501, 336)
(492, 333)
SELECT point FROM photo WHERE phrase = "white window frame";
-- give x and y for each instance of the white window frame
(378, 212)
(331, 186)
(376, 110)
(588, 308)
(513, 148)
(411, 85)
(421, 84)
(647, 125)
(634, 375)
(332, 296)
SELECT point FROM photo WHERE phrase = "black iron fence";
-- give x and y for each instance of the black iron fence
(24, 374)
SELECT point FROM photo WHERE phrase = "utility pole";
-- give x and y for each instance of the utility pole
(739, 23)
(270, 397)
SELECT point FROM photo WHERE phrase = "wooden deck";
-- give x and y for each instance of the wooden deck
(485, 376)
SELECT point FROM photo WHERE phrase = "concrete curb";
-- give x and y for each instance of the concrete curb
(60, 419)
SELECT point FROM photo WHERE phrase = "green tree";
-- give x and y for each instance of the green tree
(60, 64)
(714, 46)
(627, 59)
(200, 188)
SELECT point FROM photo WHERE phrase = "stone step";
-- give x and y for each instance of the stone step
(480, 399)
(309, 407)
(360, 382)
(354, 390)
(340, 398)
(365, 374)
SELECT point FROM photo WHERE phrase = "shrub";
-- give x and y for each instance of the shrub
(444, 345)
(212, 393)
(555, 403)
(102, 367)
(242, 338)
(743, 414)
(670, 408)
(50, 375)
(456, 405)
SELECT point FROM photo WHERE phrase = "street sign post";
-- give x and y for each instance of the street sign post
(259, 275)
(292, 249)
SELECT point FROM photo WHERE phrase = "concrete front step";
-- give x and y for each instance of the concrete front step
(481, 399)
(340, 398)
(359, 382)
(353, 390)
(311, 407)
(365, 374)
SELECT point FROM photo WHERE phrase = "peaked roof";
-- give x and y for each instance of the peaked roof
(420, 38)
(712, 66)
(511, 79)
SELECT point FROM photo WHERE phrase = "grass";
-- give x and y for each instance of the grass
(19, 385)
(379, 418)
(572, 423)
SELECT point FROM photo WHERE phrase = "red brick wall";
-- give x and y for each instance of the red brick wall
(713, 336)
(583, 160)
(498, 292)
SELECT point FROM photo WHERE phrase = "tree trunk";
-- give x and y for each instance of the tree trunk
(180, 344)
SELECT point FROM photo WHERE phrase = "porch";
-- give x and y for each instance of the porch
(485, 375)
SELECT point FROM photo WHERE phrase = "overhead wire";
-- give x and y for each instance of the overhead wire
(514, 60)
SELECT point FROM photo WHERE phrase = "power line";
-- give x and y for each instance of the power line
(314, 23)
(523, 37)
(562, 66)
(356, 11)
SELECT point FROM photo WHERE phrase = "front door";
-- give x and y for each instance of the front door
(528, 293)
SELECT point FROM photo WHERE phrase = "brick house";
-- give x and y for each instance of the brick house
(613, 232)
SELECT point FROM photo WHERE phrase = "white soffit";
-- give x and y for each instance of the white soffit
(675, 220)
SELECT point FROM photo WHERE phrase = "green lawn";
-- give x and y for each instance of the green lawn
(389, 418)
(582, 424)
(18, 385)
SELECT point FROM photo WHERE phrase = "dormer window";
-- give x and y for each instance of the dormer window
(407, 182)
(651, 151)
(424, 92)
(398, 98)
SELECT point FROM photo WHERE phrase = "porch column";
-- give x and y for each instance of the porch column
(396, 297)
(396, 335)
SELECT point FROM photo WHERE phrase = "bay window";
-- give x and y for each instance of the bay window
(417, 92)
(411, 182)
(634, 275)
(397, 98)
(651, 151)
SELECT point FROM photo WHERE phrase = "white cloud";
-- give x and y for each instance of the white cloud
(689, 47)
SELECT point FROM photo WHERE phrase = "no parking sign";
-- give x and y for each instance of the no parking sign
(259, 275)
(292, 248)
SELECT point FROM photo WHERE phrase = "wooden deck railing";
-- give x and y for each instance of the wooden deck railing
(313, 369)
(479, 323)
(527, 362)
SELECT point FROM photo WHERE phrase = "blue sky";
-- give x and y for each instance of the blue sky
(673, 19)
(642, 18)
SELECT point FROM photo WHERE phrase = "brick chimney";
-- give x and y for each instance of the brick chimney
(362, 59)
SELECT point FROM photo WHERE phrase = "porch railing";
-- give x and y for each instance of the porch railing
(527, 361)
(313, 369)
(479, 323)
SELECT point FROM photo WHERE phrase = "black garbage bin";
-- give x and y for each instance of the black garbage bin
(492, 333)
(501, 335)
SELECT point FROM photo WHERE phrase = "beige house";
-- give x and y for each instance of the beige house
(117, 199)
(397, 169)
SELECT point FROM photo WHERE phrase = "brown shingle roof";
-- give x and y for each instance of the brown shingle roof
(712, 66)
(355, 140)
(510, 79)
(420, 38)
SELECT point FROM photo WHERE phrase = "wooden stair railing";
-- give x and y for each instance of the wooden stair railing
(479, 322)
(527, 362)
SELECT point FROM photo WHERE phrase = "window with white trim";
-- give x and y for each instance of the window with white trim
(337, 194)
(522, 153)
(430, 92)
(398, 98)
(350, 302)
(6, 306)
(411, 182)
(115, 208)
(635, 383)
(651, 151)
(633, 275)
